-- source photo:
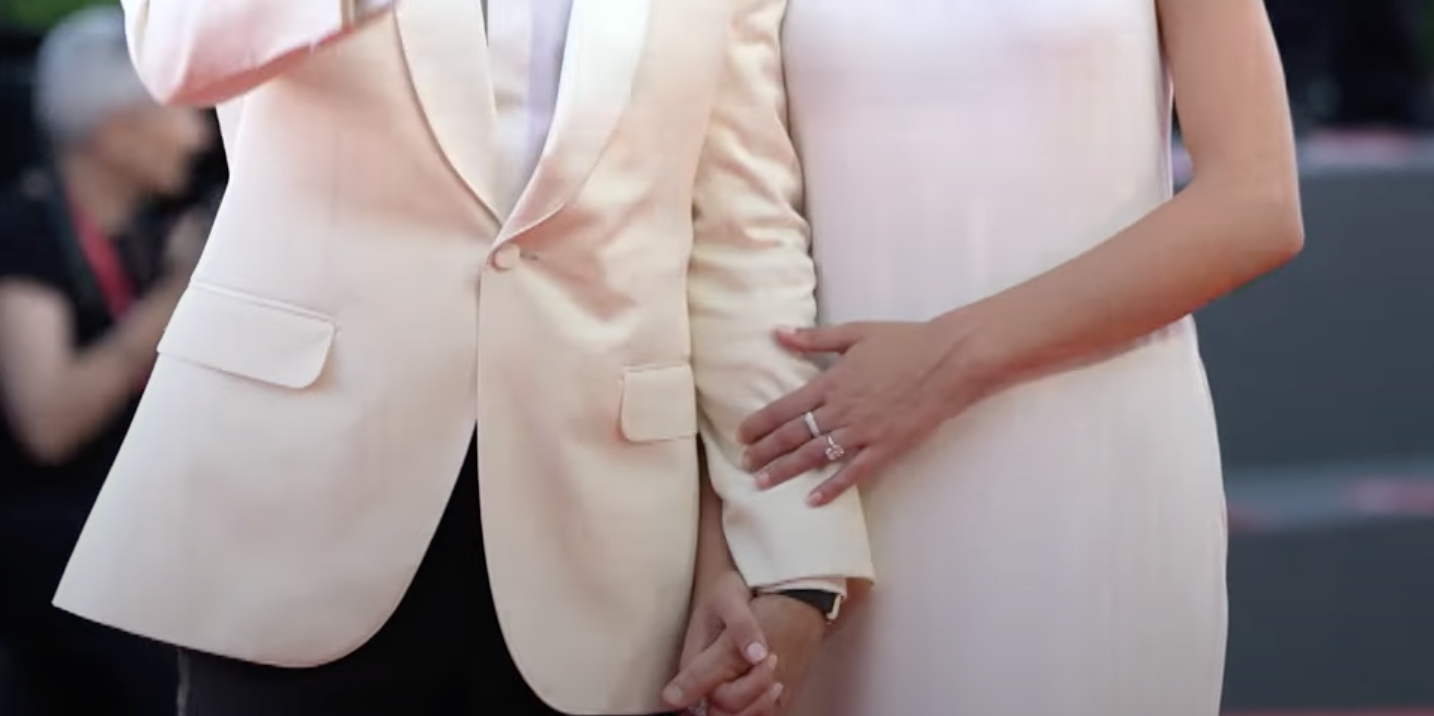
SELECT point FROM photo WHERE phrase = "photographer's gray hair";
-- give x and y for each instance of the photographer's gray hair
(84, 75)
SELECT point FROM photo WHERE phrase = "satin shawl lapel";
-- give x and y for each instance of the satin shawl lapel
(447, 55)
(600, 60)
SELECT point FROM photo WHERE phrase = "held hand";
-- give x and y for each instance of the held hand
(727, 667)
(795, 631)
(893, 384)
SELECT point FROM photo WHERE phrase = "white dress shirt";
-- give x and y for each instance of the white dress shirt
(527, 38)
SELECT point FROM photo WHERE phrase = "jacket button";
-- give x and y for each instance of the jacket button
(507, 257)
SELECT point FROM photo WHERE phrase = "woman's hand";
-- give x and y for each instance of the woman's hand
(727, 668)
(892, 386)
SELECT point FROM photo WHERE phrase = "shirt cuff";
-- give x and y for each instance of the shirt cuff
(835, 585)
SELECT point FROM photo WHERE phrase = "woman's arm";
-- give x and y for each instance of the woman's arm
(1238, 218)
(205, 52)
(57, 398)
(714, 559)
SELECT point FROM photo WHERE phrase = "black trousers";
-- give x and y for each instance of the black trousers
(440, 654)
(65, 665)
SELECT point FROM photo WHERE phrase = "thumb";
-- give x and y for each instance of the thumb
(712, 667)
(743, 629)
(826, 339)
(700, 635)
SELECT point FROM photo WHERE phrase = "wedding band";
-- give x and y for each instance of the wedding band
(811, 421)
(834, 451)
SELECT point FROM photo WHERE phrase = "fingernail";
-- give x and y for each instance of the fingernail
(672, 695)
(777, 690)
(764, 480)
(747, 462)
(814, 499)
(756, 652)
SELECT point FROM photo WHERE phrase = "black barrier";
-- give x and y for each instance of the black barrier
(1332, 358)
(1331, 619)
(1321, 374)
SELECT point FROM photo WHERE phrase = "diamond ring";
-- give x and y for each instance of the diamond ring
(834, 450)
(699, 708)
(811, 421)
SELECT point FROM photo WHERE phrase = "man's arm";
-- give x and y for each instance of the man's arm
(751, 273)
(205, 52)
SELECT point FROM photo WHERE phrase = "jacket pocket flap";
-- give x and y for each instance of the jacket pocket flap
(249, 336)
(658, 403)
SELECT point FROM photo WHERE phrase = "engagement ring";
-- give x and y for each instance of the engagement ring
(834, 451)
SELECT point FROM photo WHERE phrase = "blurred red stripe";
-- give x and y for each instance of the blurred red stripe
(1391, 497)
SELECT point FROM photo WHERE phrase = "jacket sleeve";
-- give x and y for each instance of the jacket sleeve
(205, 52)
(751, 273)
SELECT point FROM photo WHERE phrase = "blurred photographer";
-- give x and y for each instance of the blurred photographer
(88, 279)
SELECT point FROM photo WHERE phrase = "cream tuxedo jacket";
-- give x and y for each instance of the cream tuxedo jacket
(371, 290)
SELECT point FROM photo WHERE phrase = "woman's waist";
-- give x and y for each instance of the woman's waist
(1152, 375)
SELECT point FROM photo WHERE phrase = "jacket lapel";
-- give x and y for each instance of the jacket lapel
(443, 43)
(600, 61)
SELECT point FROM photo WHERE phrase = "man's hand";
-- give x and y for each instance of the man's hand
(794, 633)
(725, 647)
